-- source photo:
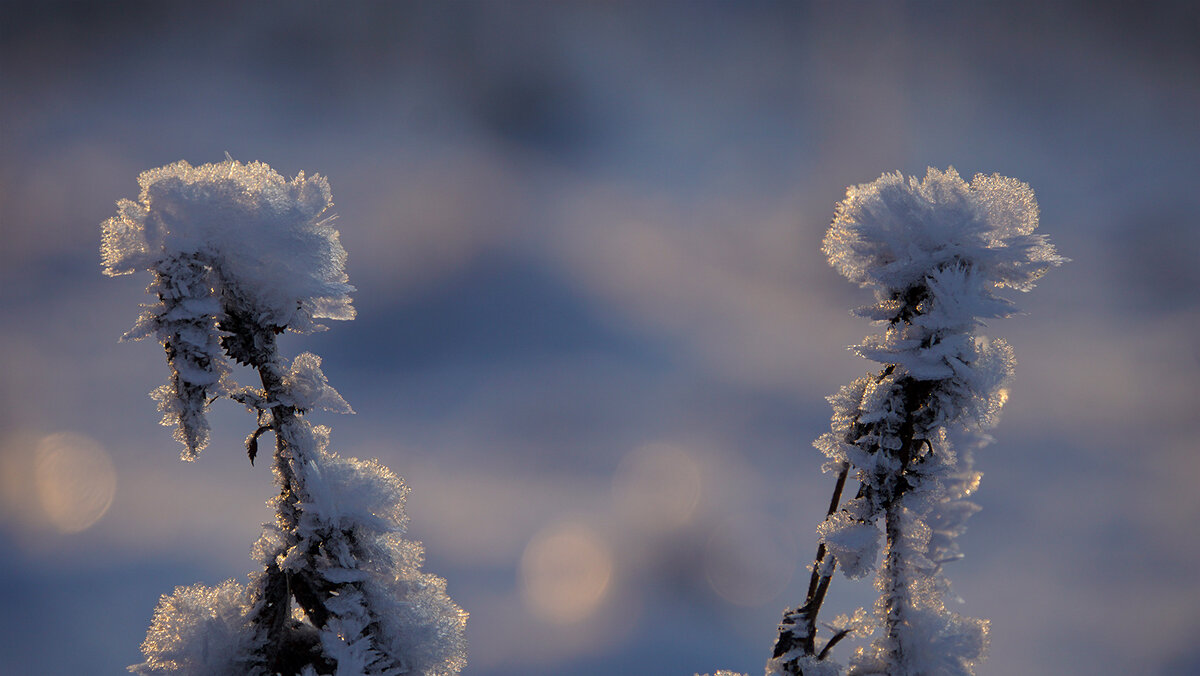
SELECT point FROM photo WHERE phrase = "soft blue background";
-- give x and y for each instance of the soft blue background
(580, 228)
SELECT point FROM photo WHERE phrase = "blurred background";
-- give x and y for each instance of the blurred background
(595, 327)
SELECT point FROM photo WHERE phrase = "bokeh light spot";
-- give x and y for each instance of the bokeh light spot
(565, 572)
(750, 559)
(75, 481)
(657, 486)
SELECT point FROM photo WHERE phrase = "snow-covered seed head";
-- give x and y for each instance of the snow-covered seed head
(891, 233)
(269, 238)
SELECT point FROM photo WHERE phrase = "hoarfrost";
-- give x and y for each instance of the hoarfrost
(197, 631)
(268, 235)
(860, 623)
(239, 254)
(935, 251)
(228, 244)
(852, 542)
(889, 234)
(308, 389)
(808, 665)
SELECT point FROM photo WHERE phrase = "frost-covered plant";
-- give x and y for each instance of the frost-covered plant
(240, 254)
(935, 251)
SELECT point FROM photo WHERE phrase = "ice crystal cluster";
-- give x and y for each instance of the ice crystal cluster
(238, 255)
(225, 242)
(936, 251)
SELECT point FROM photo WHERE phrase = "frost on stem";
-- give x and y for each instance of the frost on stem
(239, 254)
(935, 251)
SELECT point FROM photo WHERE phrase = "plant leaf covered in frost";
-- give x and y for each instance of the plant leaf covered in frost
(308, 389)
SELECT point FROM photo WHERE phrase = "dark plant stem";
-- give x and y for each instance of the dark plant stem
(804, 617)
(818, 583)
(832, 642)
(834, 502)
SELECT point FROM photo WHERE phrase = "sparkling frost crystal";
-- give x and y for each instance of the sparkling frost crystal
(935, 251)
(240, 254)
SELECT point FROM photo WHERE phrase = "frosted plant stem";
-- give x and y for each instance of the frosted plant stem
(257, 346)
(935, 251)
(915, 397)
(274, 605)
(895, 588)
(310, 591)
(240, 255)
(282, 416)
(841, 634)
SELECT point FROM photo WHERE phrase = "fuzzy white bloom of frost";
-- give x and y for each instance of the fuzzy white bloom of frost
(935, 251)
(240, 254)
(272, 235)
(218, 231)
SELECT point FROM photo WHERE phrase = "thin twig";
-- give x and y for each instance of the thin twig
(817, 587)
(832, 642)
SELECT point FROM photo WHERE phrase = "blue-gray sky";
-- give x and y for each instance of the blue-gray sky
(595, 328)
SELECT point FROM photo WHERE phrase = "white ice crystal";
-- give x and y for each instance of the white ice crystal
(853, 543)
(240, 254)
(935, 251)
(346, 493)
(891, 233)
(267, 236)
(197, 631)
(227, 243)
(185, 322)
(353, 513)
(805, 664)
(937, 643)
(309, 389)
(859, 623)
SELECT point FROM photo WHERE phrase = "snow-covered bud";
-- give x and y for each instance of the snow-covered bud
(891, 233)
(269, 237)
